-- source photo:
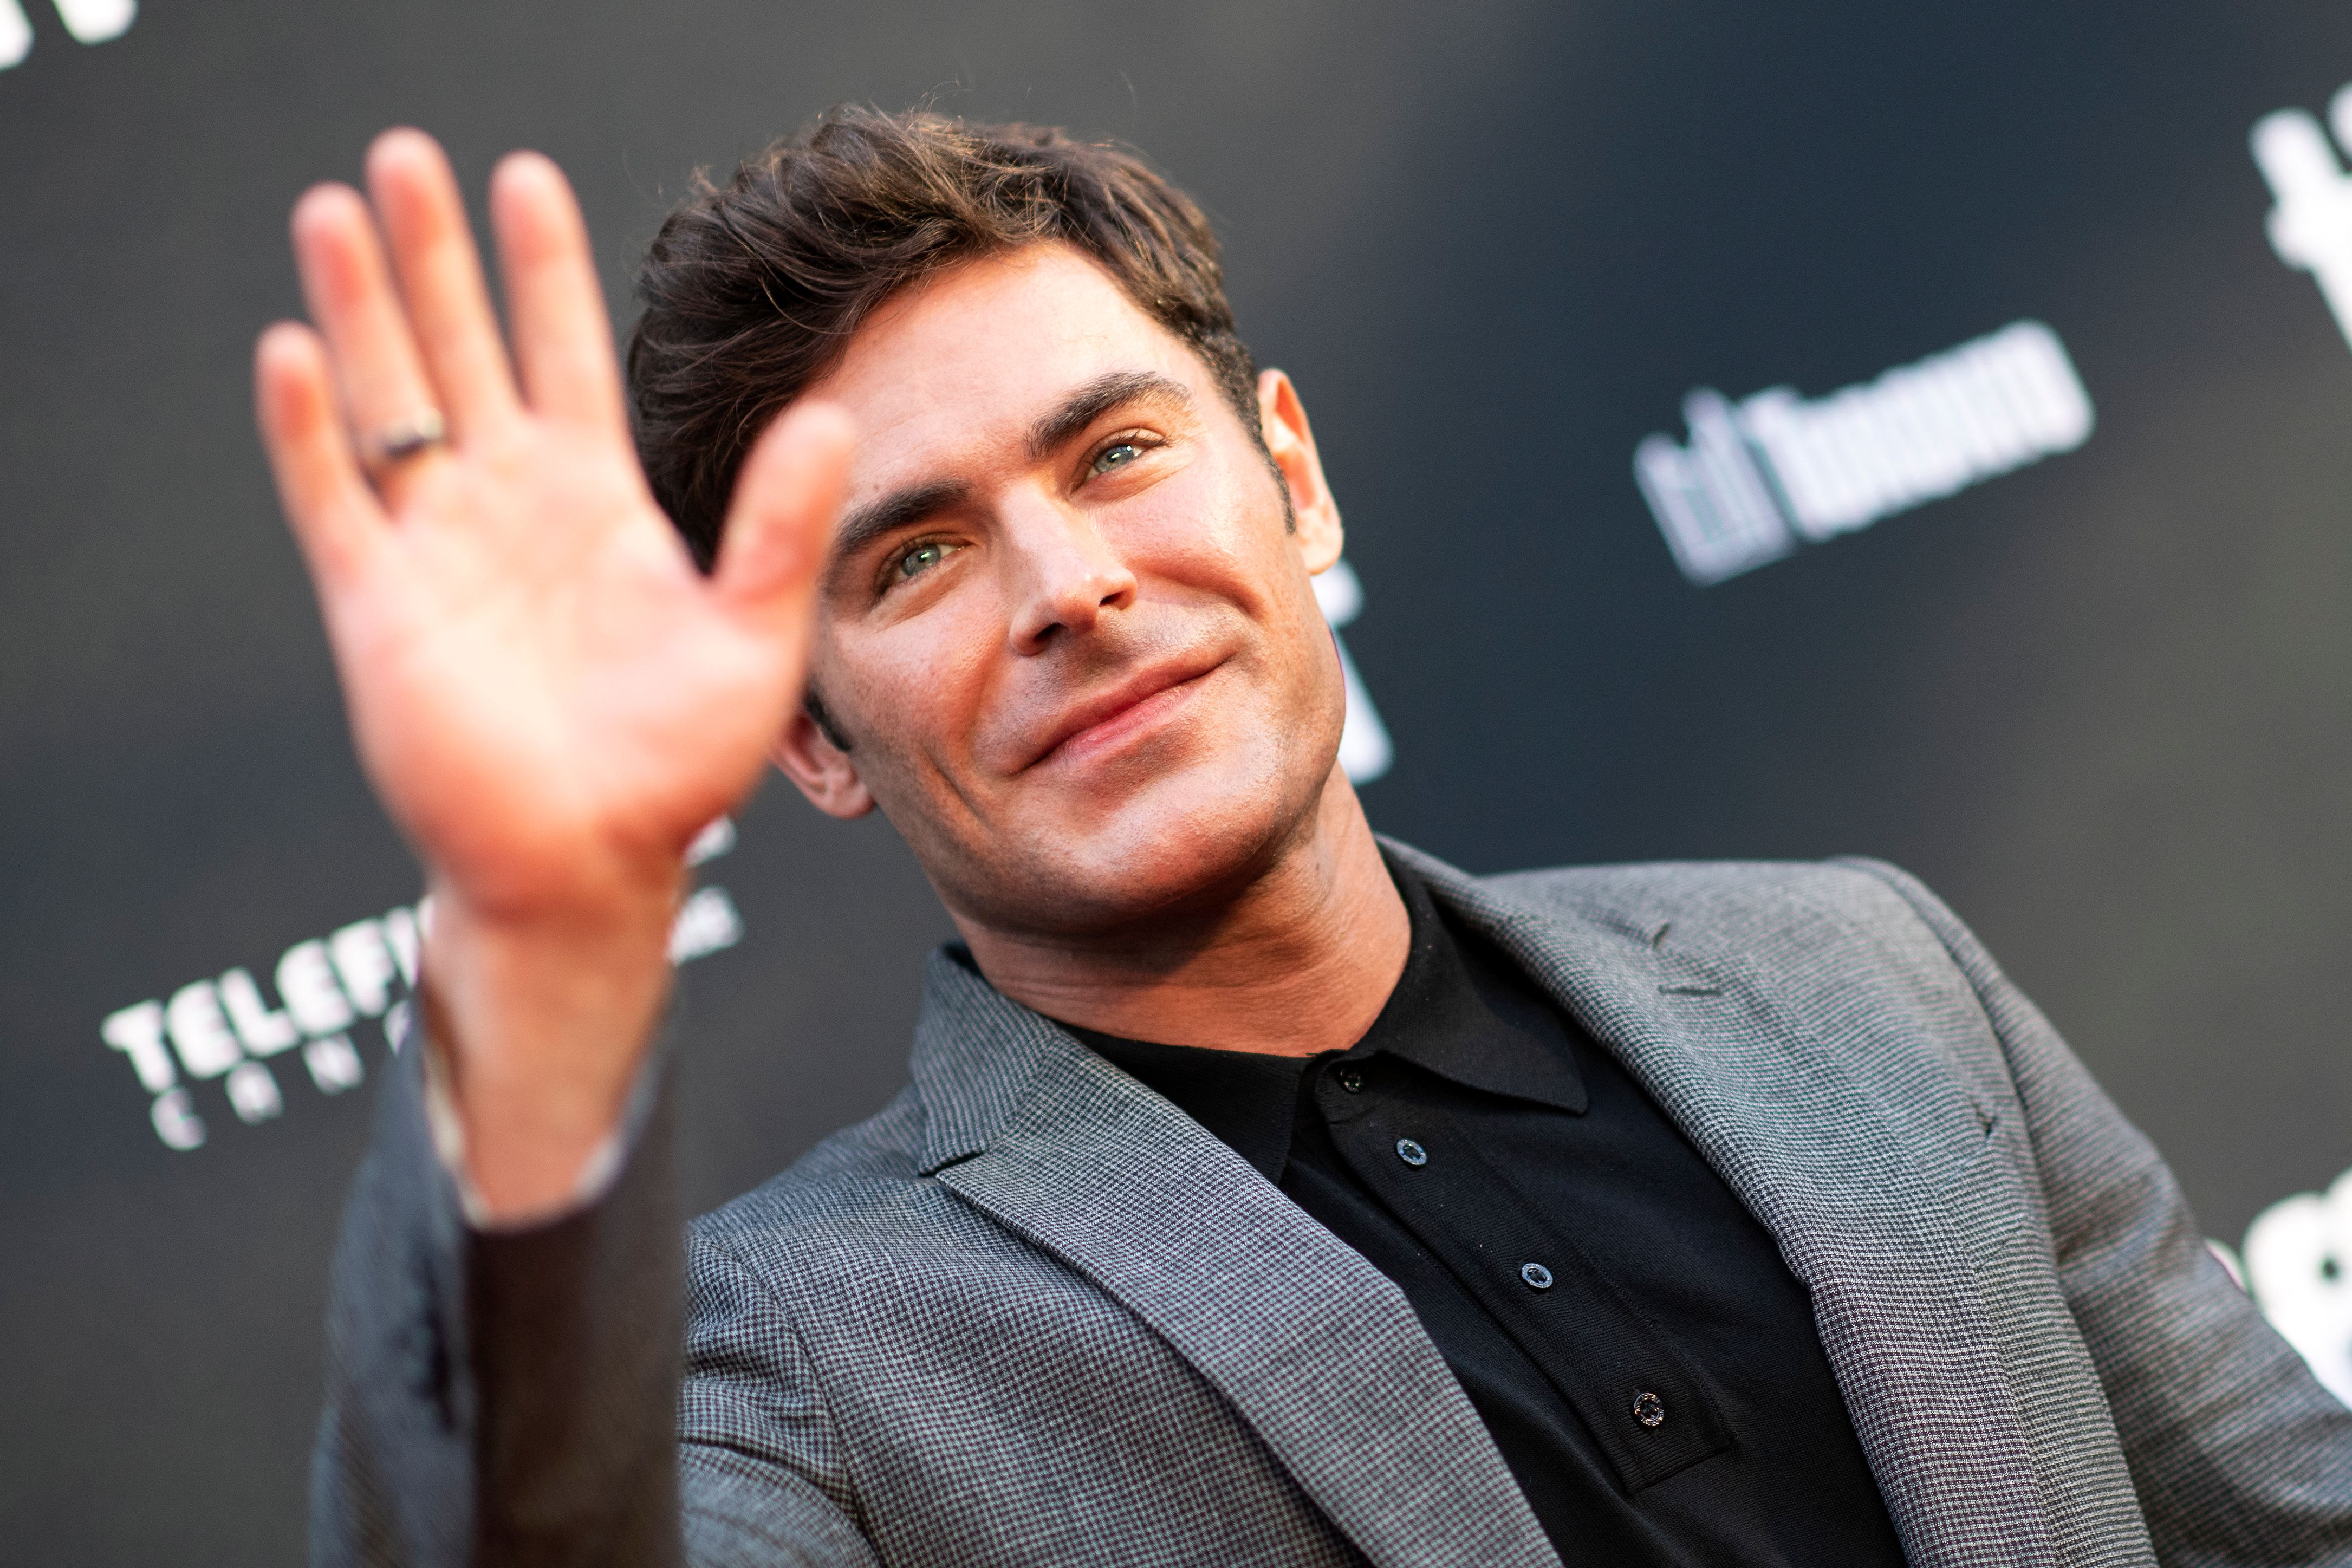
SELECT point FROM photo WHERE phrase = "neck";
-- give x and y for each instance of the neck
(1298, 961)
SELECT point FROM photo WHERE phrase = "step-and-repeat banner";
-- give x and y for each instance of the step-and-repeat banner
(1763, 432)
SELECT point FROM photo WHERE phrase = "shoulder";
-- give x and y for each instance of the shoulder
(1731, 898)
(1811, 924)
(863, 1169)
(857, 1207)
(1854, 956)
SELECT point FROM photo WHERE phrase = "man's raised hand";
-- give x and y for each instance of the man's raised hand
(549, 697)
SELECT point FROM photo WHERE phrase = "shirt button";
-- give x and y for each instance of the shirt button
(1411, 1152)
(1649, 1410)
(1537, 1277)
(1350, 1080)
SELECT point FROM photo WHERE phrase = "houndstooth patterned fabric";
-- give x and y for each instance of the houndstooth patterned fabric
(1033, 1314)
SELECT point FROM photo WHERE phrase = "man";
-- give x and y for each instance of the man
(1264, 1193)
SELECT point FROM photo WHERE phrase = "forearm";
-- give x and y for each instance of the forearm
(501, 1396)
(542, 1020)
(575, 1352)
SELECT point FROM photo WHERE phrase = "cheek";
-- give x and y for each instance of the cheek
(921, 687)
(1216, 530)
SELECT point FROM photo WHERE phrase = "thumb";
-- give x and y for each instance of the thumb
(780, 518)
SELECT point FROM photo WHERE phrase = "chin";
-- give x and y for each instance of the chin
(1189, 836)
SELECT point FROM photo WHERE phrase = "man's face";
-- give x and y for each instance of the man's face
(1067, 631)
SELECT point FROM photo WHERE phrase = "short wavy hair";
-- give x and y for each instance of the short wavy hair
(752, 290)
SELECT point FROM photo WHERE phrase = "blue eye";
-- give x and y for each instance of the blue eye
(1117, 454)
(921, 560)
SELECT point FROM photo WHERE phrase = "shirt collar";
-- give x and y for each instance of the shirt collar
(1460, 1010)
(1464, 1011)
(1246, 1098)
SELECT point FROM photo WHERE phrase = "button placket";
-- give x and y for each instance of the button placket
(1580, 1329)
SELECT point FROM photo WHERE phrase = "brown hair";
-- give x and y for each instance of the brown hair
(752, 290)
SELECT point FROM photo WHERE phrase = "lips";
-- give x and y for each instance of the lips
(1107, 715)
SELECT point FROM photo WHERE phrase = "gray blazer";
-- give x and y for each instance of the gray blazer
(1032, 1313)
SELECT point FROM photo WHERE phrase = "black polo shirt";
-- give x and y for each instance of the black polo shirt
(1645, 1362)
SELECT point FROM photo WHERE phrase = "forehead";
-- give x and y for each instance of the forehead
(959, 366)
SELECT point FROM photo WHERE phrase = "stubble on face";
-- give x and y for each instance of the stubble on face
(1087, 682)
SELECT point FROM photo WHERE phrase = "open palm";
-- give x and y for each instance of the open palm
(548, 697)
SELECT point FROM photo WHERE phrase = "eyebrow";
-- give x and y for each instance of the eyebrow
(868, 523)
(863, 525)
(1096, 398)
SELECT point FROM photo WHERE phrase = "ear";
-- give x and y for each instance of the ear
(824, 772)
(1291, 442)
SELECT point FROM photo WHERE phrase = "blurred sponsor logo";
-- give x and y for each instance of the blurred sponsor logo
(2299, 1266)
(1773, 470)
(2311, 226)
(1365, 752)
(89, 22)
(225, 1028)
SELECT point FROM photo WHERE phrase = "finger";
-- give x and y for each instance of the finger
(440, 275)
(334, 515)
(562, 340)
(352, 300)
(781, 518)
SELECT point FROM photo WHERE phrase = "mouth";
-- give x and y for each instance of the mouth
(1123, 711)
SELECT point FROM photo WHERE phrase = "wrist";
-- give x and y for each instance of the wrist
(543, 1017)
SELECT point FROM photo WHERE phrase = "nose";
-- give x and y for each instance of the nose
(1065, 577)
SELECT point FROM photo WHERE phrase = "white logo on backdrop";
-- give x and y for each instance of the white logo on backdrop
(1364, 749)
(89, 21)
(225, 1028)
(2297, 1263)
(2299, 1266)
(1761, 474)
(2311, 227)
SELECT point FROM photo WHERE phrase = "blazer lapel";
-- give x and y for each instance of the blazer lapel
(1770, 1104)
(1315, 1348)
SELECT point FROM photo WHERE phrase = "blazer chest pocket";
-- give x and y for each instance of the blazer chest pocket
(1984, 1190)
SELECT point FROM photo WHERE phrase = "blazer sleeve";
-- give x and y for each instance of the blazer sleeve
(2239, 1457)
(765, 1467)
(512, 1396)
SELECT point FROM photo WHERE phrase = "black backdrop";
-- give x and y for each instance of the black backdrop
(2103, 703)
